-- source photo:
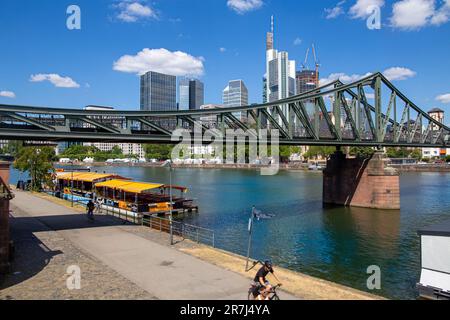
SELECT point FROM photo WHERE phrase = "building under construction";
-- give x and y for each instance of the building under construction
(306, 80)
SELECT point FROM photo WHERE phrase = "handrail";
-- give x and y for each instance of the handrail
(184, 230)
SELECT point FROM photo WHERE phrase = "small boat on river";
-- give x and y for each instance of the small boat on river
(122, 195)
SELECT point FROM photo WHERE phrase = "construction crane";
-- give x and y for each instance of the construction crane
(317, 64)
(305, 67)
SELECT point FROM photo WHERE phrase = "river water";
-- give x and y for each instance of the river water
(336, 244)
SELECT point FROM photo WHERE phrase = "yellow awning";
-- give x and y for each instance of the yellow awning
(70, 175)
(127, 186)
(138, 187)
(113, 184)
(86, 177)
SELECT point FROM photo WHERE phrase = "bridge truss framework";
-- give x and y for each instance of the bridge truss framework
(369, 112)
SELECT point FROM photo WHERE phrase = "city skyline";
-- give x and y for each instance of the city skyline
(99, 70)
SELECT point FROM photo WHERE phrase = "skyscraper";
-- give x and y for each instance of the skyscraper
(183, 94)
(280, 73)
(158, 92)
(191, 94)
(236, 95)
(306, 80)
(196, 94)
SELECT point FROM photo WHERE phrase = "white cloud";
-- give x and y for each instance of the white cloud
(297, 41)
(442, 15)
(132, 11)
(336, 11)
(222, 49)
(55, 79)
(392, 74)
(416, 14)
(7, 94)
(244, 6)
(345, 78)
(412, 14)
(361, 9)
(444, 98)
(161, 60)
(398, 73)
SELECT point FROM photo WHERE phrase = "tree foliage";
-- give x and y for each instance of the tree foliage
(362, 152)
(12, 148)
(38, 162)
(287, 151)
(81, 152)
(158, 151)
(403, 153)
(315, 152)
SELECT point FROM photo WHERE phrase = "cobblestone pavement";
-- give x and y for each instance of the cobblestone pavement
(160, 269)
(40, 268)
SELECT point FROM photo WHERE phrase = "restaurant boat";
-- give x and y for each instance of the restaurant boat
(145, 198)
(121, 195)
(80, 184)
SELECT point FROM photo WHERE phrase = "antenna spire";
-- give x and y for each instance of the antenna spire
(272, 24)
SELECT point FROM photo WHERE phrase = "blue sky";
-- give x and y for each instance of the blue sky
(43, 63)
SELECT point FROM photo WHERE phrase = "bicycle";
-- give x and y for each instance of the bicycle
(273, 292)
(254, 287)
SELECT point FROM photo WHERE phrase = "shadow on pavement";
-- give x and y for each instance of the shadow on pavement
(31, 255)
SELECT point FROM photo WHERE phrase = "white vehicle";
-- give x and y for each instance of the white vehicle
(88, 160)
(435, 255)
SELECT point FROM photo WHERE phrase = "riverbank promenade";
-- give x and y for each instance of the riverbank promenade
(120, 261)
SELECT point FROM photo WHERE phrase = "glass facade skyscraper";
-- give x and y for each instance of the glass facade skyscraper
(236, 95)
(158, 92)
(191, 94)
(280, 74)
(197, 94)
(184, 94)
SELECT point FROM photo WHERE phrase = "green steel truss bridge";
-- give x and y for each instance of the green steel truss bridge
(368, 112)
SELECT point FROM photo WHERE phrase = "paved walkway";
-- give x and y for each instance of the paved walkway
(162, 271)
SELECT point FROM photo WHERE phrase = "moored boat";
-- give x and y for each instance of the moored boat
(119, 194)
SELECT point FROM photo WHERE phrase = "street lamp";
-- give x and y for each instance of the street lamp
(168, 164)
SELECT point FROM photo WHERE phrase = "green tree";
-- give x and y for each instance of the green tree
(13, 148)
(403, 153)
(362, 152)
(319, 151)
(38, 161)
(158, 151)
(287, 151)
(416, 154)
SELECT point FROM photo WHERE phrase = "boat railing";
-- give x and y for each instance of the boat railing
(180, 229)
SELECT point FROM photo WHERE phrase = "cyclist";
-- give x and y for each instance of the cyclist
(262, 284)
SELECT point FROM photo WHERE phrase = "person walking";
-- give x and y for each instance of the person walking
(90, 207)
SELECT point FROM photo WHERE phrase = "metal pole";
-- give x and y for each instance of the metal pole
(250, 229)
(171, 217)
(71, 188)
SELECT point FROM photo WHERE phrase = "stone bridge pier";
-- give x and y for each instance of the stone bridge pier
(4, 219)
(367, 183)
